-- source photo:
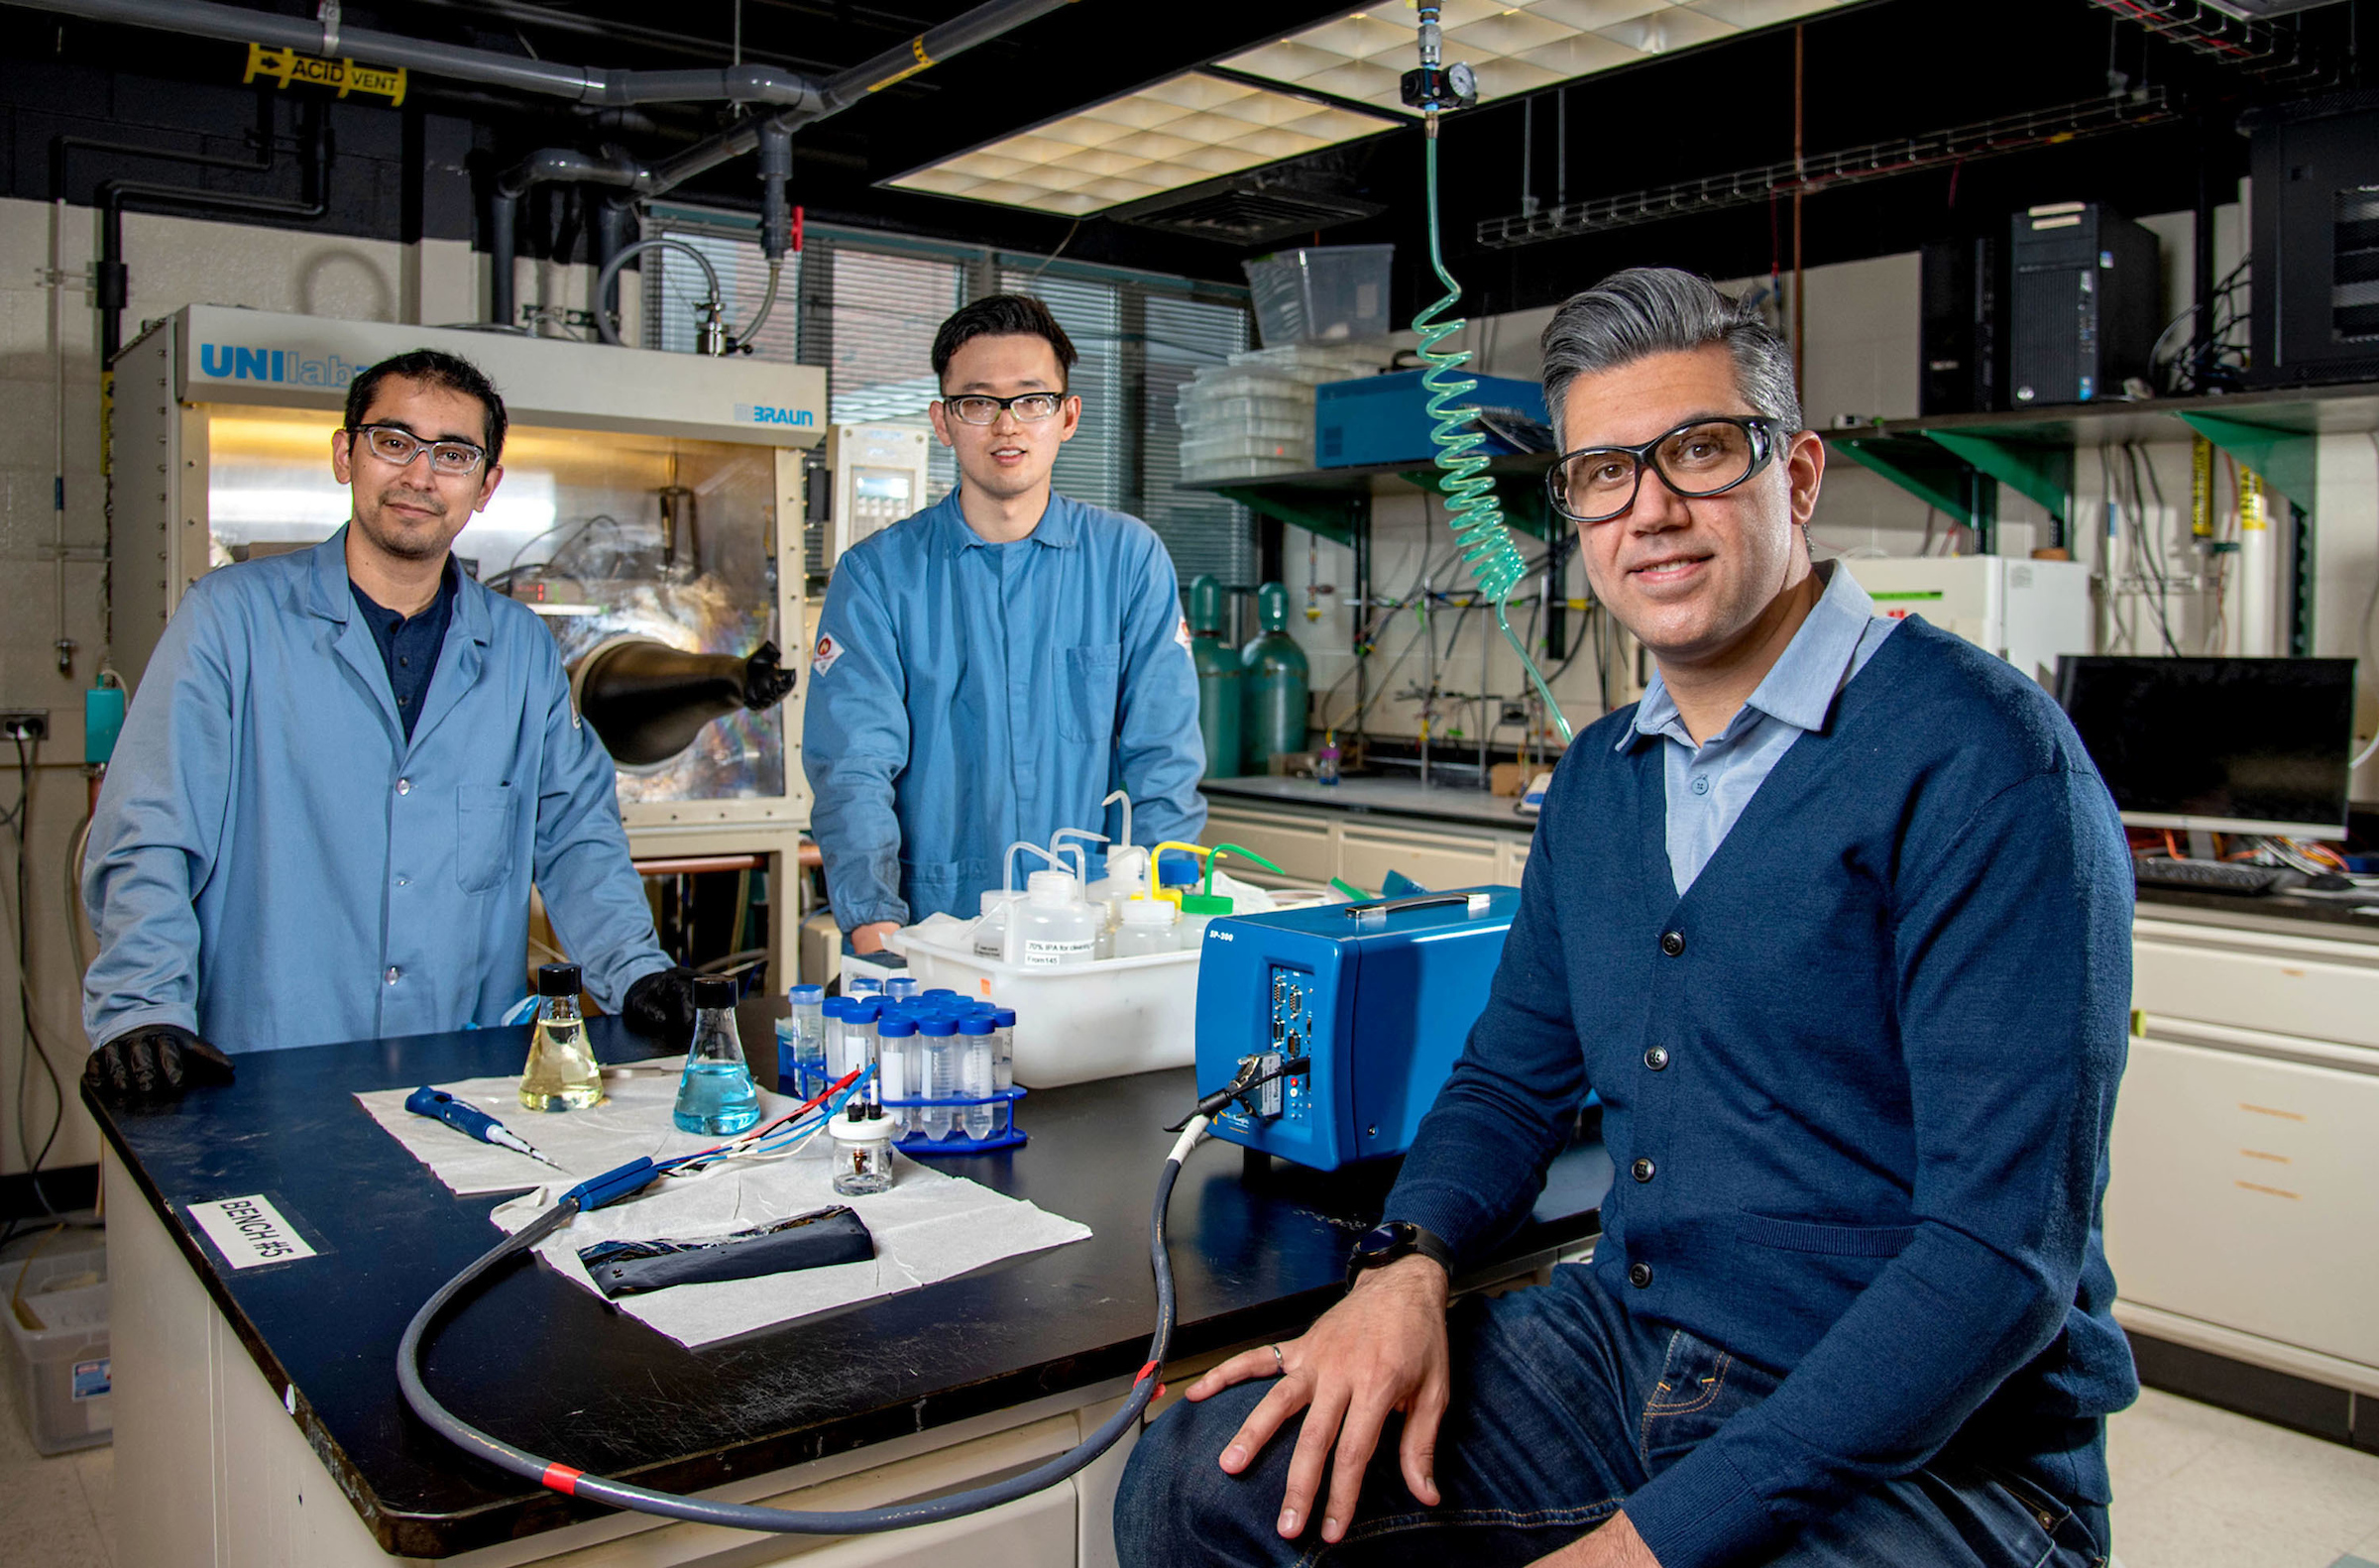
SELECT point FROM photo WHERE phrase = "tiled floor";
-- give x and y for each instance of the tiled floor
(2199, 1488)
(2195, 1488)
(55, 1511)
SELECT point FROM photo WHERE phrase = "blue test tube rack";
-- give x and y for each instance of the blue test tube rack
(1005, 1134)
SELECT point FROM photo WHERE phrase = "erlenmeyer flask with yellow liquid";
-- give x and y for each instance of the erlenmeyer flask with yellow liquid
(561, 1074)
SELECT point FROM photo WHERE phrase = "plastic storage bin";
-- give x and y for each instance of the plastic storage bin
(1081, 1022)
(1323, 293)
(58, 1338)
(1386, 419)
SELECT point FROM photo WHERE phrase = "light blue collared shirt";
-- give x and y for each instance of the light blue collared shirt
(1709, 785)
(965, 695)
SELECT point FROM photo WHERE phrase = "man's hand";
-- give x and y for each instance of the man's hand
(869, 939)
(152, 1066)
(1381, 1349)
(662, 1004)
(1612, 1544)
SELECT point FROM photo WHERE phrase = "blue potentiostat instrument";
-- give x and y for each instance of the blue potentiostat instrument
(1375, 999)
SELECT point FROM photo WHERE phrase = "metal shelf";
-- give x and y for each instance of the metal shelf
(1335, 503)
(1956, 462)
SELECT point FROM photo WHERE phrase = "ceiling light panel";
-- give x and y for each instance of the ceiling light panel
(1514, 47)
(1180, 132)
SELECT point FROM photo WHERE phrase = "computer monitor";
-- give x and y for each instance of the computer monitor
(2231, 745)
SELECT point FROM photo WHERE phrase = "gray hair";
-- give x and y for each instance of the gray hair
(1646, 311)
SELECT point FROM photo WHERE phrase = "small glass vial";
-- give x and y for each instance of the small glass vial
(900, 987)
(832, 1013)
(715, 1094)
(1004, 1049)
(862, 1151)
(977, 1053)
(800, 1040)
(938, 1054)
(561, 1074)
(896, 1051)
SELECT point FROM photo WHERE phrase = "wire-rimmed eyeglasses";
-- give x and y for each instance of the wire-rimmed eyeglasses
(398, 447)
(1705, 456)
(983, 409)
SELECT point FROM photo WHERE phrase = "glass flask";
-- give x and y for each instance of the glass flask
(561, 1074)
(715, 1094)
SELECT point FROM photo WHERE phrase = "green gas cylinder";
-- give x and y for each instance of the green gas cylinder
(1219, 678)
(1275, 683)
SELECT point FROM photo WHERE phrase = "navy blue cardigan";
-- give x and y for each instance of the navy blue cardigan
(1872, 1056)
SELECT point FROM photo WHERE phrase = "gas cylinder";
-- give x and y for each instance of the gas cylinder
(1276, 681)
(1219, 678)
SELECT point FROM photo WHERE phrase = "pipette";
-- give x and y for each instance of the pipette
(438, 1105)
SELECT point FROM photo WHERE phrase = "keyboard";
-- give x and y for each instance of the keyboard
(2206, 877)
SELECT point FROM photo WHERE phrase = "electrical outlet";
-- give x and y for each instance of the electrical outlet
(1515, 712)
(24, 724)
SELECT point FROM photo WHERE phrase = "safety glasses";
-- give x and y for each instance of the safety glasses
(1707, 457)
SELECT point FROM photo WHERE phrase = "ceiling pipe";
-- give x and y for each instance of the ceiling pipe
(771, 135)
(800, 100)
(763, 85)
(845, 88)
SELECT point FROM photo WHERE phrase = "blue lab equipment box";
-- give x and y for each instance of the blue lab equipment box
(1378, 998)
(1386, 419)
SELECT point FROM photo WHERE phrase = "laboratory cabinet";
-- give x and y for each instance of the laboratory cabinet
(2242, 1214)
(1313, 844)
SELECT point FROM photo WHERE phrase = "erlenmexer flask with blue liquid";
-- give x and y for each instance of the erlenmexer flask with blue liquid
(715, 1096)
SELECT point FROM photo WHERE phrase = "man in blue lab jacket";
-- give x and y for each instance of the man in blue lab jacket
(343, 770)
(988, 669)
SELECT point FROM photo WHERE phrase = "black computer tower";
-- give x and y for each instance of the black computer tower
(2314, 313)
(2085, 302)
(1964, 369)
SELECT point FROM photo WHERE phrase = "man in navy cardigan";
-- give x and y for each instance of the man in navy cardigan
(1837, 920)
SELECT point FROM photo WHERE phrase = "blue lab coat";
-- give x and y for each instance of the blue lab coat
(965, 695)
(274, 865)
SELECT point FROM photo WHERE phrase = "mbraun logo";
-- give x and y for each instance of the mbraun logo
(288, 367)
(764, 414)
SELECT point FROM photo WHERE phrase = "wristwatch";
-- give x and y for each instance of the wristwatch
(1384, 1244)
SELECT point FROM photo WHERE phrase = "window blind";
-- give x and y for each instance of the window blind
(866, 305)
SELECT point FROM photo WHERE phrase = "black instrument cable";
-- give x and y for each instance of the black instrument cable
(614, 1185)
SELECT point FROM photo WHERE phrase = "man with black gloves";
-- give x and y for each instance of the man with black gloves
(342, 772)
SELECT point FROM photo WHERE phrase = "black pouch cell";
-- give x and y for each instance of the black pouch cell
(816, 1240)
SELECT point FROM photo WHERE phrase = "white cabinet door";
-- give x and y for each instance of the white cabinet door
(1299, 846)
(2246, 1188)
(1515, 862)
(1433, 859)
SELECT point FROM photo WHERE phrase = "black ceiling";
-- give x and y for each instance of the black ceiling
(1890, 68)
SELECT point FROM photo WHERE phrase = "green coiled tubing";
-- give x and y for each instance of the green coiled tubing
(1475, 513)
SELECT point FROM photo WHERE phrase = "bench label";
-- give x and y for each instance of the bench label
(248, 1231)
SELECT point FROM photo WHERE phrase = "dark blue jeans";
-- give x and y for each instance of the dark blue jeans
(1562, 1406)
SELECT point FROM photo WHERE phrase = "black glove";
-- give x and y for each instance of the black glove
(765, 682)
(152, 1066)
(662, 1004)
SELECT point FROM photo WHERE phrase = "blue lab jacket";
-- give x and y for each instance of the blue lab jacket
(965, 695)
(274, 865)
(1858, 1082)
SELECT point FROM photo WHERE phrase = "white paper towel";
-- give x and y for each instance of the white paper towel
(929, 1227)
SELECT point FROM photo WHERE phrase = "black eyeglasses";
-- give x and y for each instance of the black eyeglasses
(398, 447)
(983, 409)
(1707, 457)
